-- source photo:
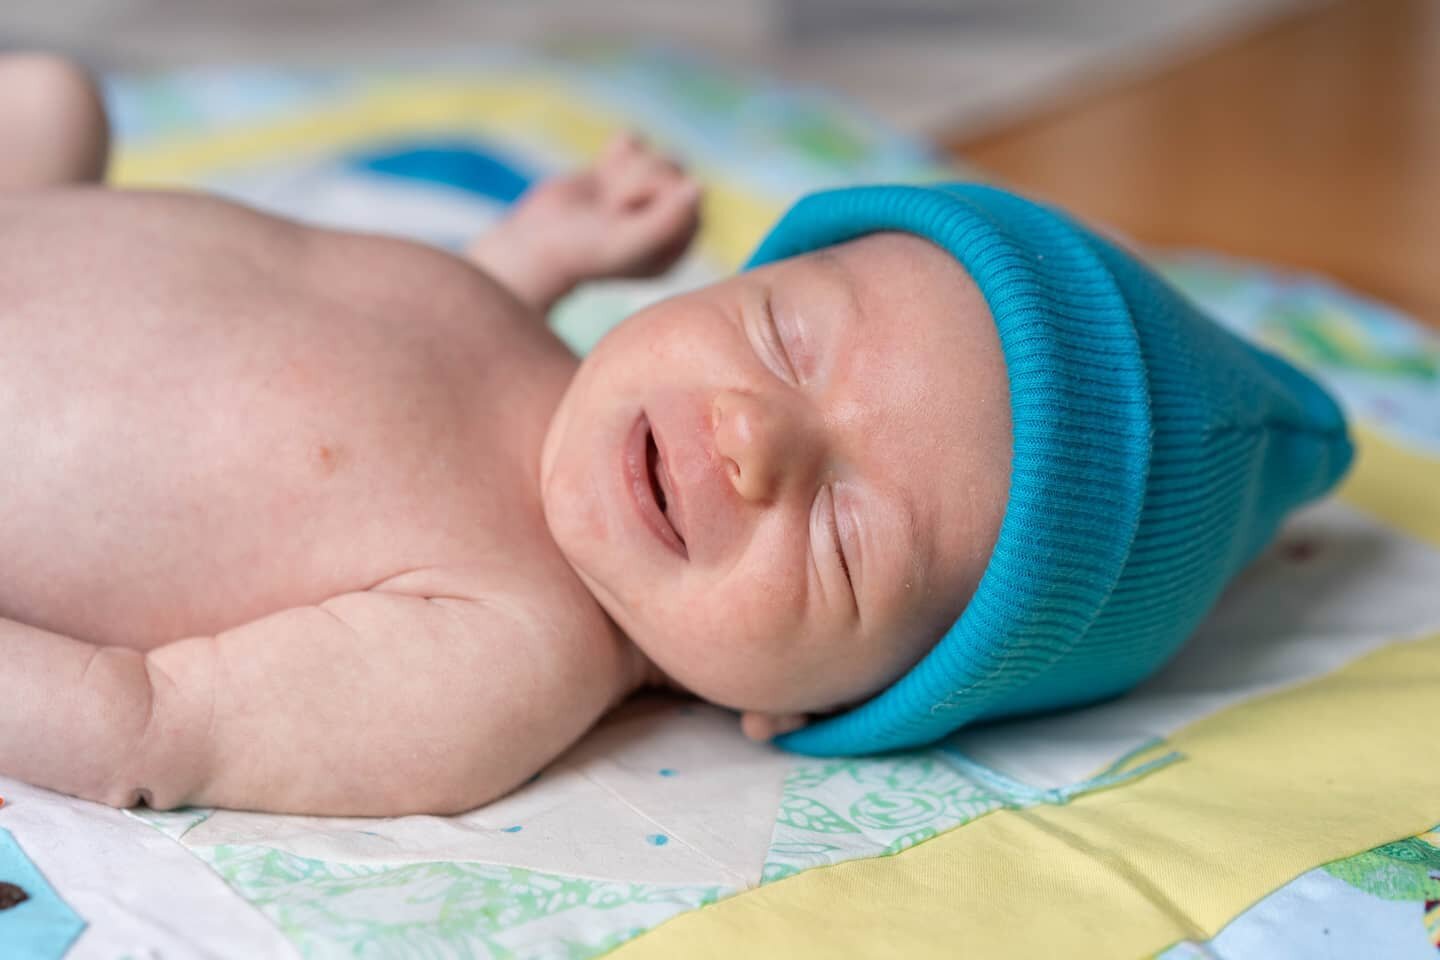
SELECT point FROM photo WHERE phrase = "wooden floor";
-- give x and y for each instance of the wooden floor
(1313, 143)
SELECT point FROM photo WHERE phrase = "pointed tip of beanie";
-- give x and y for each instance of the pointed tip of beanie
(1319, 452)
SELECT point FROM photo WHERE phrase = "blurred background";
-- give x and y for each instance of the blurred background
(923, 64)
(1304, 133)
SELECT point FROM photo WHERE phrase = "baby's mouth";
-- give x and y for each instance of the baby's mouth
(660, 483)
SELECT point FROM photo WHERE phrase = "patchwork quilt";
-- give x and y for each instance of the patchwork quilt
(1272, 793)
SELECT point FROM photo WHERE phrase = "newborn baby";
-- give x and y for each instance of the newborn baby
(316, 522)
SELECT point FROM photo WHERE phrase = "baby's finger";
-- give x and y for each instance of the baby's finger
(620, 146)
(764, 727)
(656, 235)
(629, 146)
(671, 164)
(636, 178)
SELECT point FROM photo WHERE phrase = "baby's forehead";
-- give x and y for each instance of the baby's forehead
(895, 278)
(903, 289)
(893, 256)
(889, 306)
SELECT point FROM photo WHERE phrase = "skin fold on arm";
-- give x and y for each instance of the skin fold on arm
(475, 700)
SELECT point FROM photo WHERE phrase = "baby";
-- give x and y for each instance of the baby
(316, 522)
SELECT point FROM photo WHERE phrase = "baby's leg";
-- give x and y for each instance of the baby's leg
(632, 214)
(52, 123)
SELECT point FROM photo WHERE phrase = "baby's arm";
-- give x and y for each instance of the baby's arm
(633, 214)
(368, 704)
(53, 128)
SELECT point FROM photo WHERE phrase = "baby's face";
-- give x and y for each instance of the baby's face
(784, 487)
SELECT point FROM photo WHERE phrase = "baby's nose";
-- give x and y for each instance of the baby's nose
(761, 442)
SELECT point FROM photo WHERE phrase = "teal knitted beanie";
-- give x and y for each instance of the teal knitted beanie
(1154, 455)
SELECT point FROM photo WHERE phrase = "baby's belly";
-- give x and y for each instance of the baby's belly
(173, 469)
(180, 505)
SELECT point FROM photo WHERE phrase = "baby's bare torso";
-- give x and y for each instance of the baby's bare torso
(208, 415)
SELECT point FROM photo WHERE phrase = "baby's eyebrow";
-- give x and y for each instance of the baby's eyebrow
(837, 269)
(917, 545)
(832, 262)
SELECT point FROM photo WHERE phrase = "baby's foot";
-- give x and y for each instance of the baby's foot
(632, 214)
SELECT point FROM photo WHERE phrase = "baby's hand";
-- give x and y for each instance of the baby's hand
(632, 214)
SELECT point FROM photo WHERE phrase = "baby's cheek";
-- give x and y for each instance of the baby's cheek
(777, 668)
(574, 512)
(733, 634)
(718, 656)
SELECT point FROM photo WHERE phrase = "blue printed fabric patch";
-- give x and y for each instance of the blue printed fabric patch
(463, 165)
(36, 924)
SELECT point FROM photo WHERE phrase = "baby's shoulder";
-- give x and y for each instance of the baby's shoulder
(397, 274)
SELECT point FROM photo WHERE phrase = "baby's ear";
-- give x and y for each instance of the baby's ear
(765, 727)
